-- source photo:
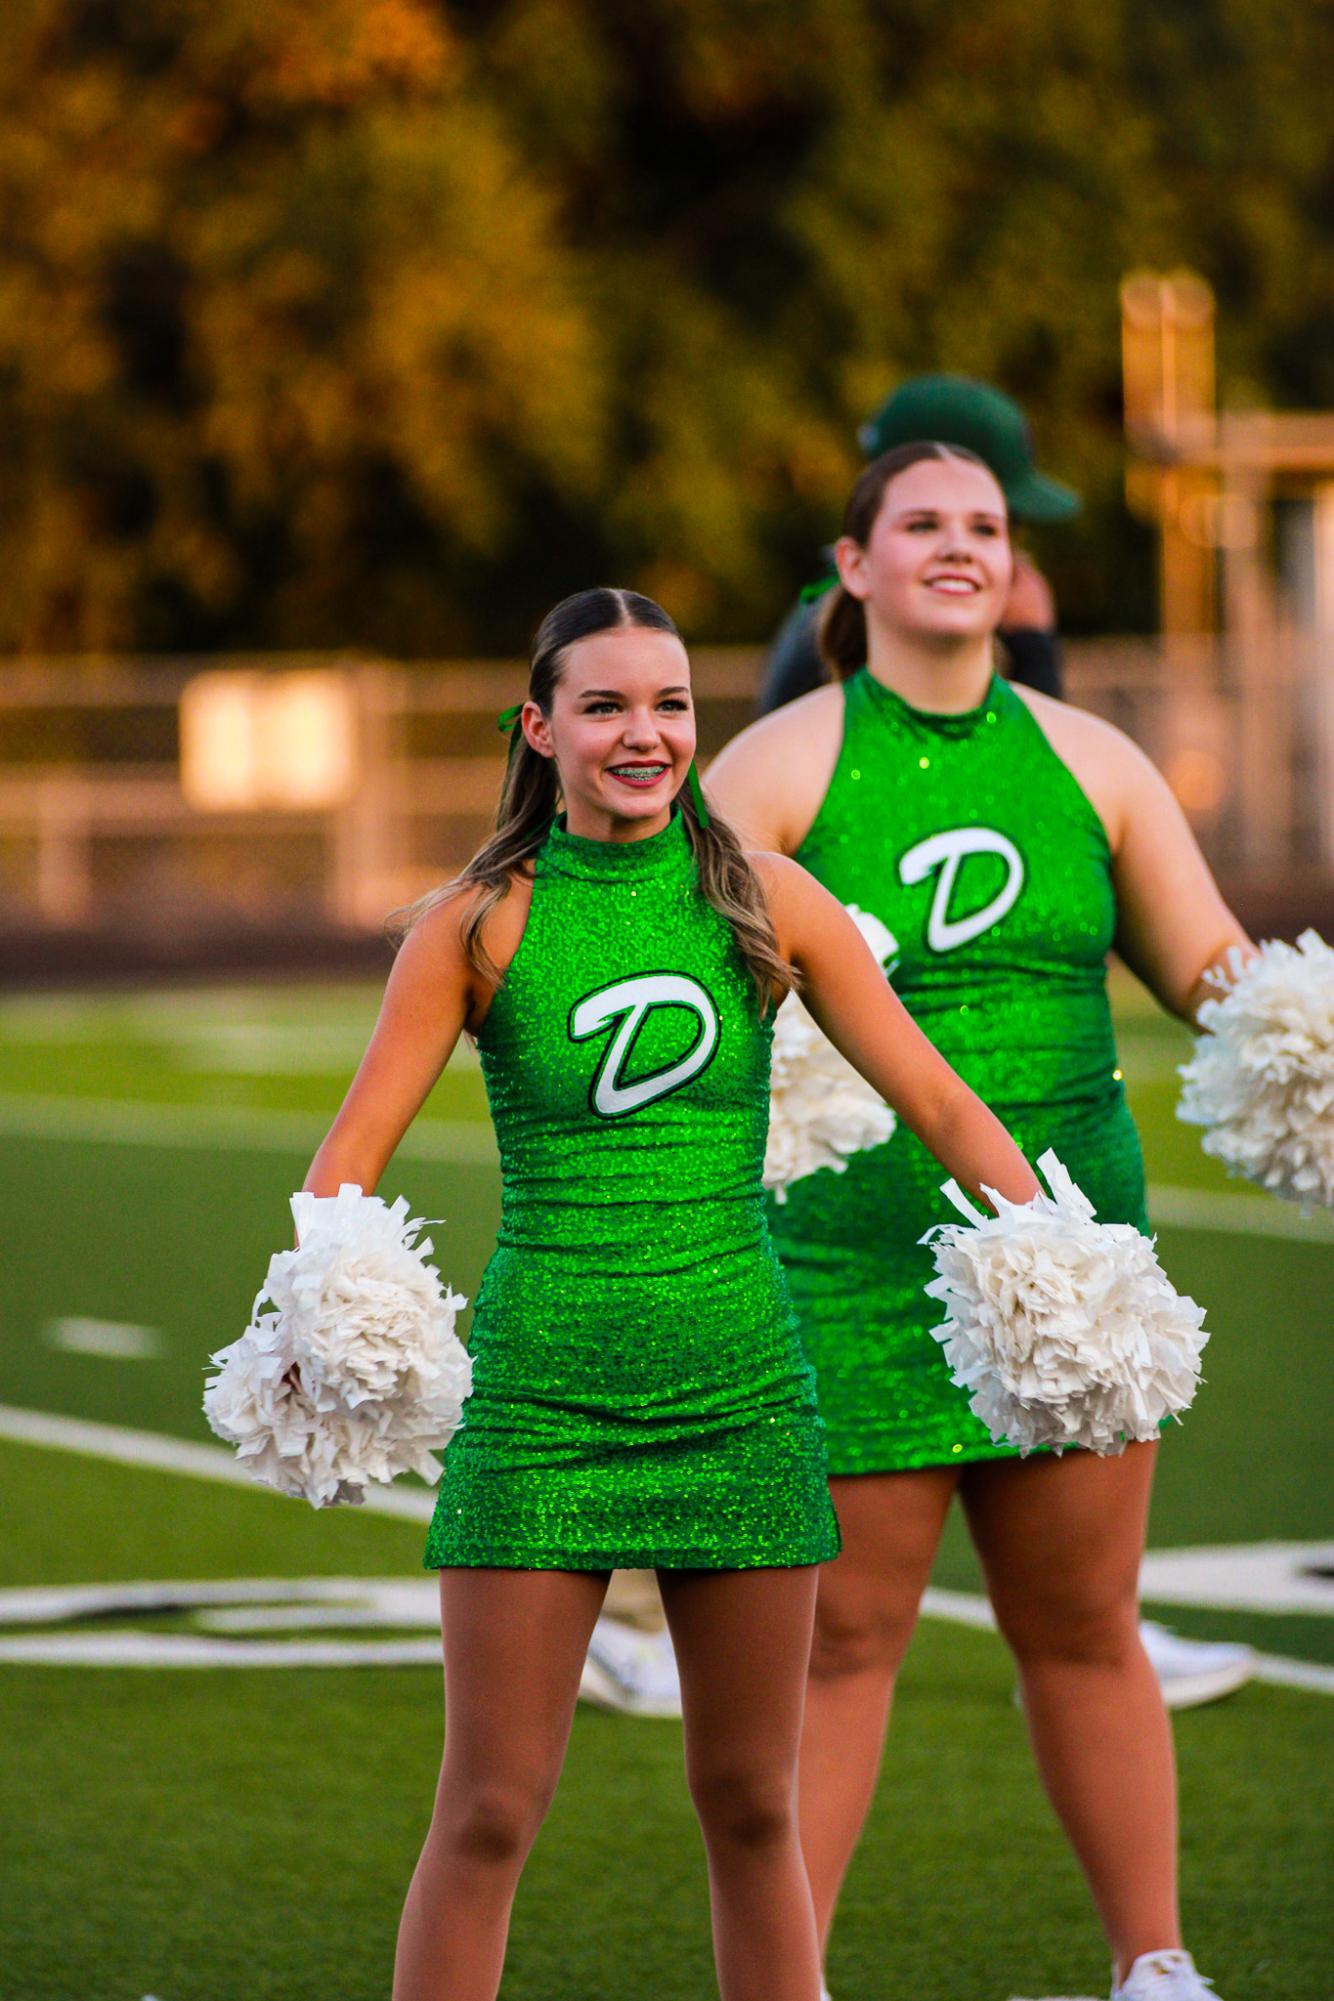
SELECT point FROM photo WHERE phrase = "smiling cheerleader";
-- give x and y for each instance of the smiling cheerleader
(1004, 842)
(639, 1396)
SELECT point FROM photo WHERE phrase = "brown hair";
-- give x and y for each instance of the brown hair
(530, 800)
(841, 631)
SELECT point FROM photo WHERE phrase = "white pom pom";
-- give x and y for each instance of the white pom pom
(821, 1110)
(1262, 1079)
(357, 1374)
(1063, 1330)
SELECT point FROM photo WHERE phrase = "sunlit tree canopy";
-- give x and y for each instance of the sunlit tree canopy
(383, 323)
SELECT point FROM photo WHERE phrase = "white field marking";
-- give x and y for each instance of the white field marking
(1235, 1215)
(1272, 1577)
(253, 1048)
(208, 1462)
(1274, 1668)
(277, 1030)
(83, 1017)
(263, 1049)
(394, 1601)
(184, 1650)
(133, 1122)
(383, 1602)
(280, 1049)
(120, 1339)
(1243, 1577)
(177, 1455)
(306, 1618)
(1282, 1673)
(471, 1143)
(252, 1605)
(966, 1608)
(961, 1608)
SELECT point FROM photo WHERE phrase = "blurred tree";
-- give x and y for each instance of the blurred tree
(275, 288)
(384, 322)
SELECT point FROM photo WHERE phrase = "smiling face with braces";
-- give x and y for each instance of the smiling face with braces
(621, 730)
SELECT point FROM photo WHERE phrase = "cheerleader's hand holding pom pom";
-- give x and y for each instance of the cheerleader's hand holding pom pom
(821, 1110)
(1064, 1331)
(1262, 1076)
(357, 1373)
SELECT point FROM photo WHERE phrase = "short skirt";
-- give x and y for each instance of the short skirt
(661, 1420)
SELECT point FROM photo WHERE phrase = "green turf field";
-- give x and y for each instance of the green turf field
(238, 1833)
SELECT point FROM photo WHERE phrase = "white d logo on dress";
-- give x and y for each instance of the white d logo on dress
(631, 1000)
(877, 935)
(947, 852)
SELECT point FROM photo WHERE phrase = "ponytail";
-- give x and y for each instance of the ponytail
(840, 633)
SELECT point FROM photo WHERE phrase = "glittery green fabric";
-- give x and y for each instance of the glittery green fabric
(640, 1397)
(973, 842)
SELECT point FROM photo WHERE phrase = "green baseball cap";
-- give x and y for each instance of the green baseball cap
(956, 410)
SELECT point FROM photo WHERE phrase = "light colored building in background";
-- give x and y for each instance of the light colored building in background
(1243, 501)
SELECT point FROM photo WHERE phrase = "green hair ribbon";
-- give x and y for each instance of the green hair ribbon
(811, 592)
(507, 718)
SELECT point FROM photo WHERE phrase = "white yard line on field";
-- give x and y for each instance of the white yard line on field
(469, 1143)
(122, 1340)
(1241, 1214)
(965, 1608)
(188, 1650)
(211, 1462)
(132, 1122)
(174, 1455)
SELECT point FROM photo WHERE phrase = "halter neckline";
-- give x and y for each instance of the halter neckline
(938, 722)
(665, 853)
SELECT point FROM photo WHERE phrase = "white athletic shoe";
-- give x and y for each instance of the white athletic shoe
(1164, 1976)
(630, 1671)
(1194, 1671)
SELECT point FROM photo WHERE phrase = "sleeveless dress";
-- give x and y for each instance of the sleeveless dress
(971, 840)
(640, 1397)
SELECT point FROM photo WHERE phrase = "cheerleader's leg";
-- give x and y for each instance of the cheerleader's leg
(864, 1618)
(1060, 1541)
(742, 1640)
(514, 1646)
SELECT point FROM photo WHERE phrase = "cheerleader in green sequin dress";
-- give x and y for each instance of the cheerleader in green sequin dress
(1006, 842)
(640, 1396)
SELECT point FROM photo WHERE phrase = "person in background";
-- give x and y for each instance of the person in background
(957, 410)
(953, 410)
(1002, 842)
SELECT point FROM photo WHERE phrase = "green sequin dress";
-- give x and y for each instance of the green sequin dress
(971, 840)
(640, 1397)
